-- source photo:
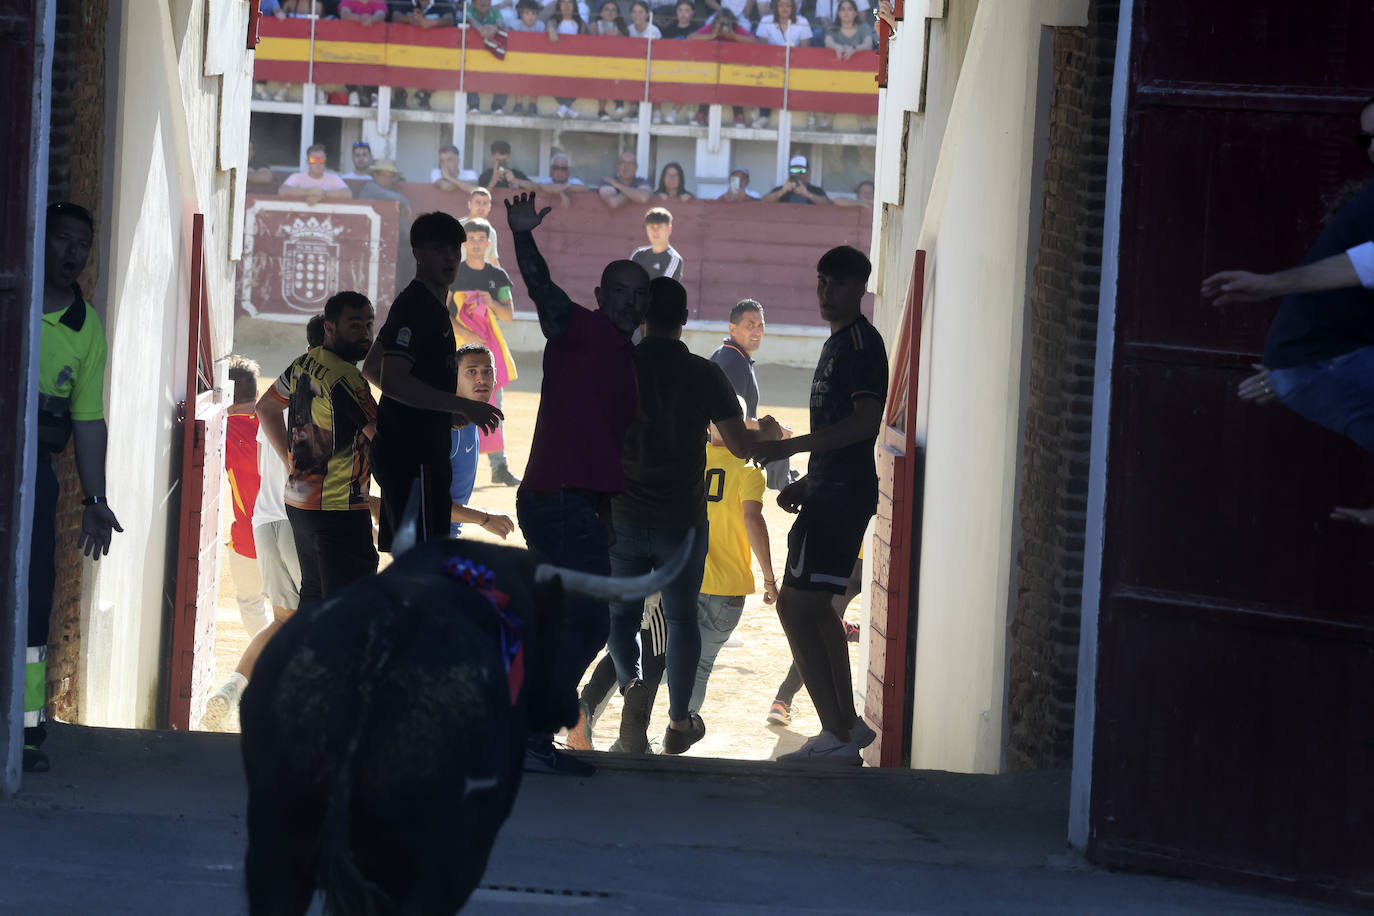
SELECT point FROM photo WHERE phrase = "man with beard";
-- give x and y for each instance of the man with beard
(71, 377)
(318, 417)
(415, 363)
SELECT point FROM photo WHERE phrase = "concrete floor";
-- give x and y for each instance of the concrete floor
(152, 822)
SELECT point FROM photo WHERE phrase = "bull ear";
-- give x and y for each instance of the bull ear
(407, 534)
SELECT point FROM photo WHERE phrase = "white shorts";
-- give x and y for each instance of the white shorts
(278, 563)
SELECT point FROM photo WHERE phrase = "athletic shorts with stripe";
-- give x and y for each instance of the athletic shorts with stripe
(827, 535)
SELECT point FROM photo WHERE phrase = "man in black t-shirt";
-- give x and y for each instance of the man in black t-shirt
(414, 361)
(665, 500)
(499, 174)
(835, 500)
(797, 190)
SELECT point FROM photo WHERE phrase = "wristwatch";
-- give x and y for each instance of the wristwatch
(94, 501)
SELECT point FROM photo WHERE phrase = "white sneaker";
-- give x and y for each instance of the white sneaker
(572, 112)
(221, 704)
(280, 95)
(498, 111)
(657, 118)
(320, 97)
(760, 122)
(354, 100)
(620, 111)
(825, 749)
(473, 109)
(562, 111)
(670, 118)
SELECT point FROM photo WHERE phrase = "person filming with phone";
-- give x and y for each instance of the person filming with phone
(739, 186)
(796, 190)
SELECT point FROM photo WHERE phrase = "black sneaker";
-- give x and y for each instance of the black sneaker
(546, 759)
(677, 742)
(502, 475)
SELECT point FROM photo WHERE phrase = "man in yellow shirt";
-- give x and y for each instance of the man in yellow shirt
(734, 512)
(71, 404)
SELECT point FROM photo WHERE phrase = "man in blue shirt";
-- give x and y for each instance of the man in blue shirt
(476, 379)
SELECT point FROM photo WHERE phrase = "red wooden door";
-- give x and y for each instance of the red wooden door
(1234, 732)
(192, 655)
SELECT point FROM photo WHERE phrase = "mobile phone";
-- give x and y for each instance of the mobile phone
(734, 183)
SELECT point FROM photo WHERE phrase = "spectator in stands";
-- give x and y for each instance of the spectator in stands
(500, 174)
(382, 186)
(481, 301)
(609, 22)
(863, 196)
(526, 20)
(422, 14)
(682, 23)
(450, 175)
(476, 379)
(658, 258)
(487, 21)
(300, 9)
(362, 163)
(641, 21)
(724, 26)
(479, 207)
(365, 13)
(849, 32)
(739, 186)
(679, 28)
(260, 177)
(743, 10)
(782, 28)
(561, 181)
(626, 186)
(315, 184)
(672, 183)
(796, 189)
(565, 19)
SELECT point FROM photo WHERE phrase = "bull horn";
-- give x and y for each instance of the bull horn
(612, 588)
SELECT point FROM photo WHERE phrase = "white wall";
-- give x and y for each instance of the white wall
(179, 137)
(967, 202)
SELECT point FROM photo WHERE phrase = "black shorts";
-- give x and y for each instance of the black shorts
(396, 483)
(826, 537)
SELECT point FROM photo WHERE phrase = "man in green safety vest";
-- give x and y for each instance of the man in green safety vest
(71, 379)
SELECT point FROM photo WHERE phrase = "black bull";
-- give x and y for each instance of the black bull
(383, 731)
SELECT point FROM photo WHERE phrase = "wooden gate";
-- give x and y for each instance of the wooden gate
(895, 553)
(192, 654)
(1234, 728)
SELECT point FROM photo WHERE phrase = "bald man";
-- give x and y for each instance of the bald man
(586, 404)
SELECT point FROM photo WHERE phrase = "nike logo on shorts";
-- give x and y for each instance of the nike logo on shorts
(796, 570)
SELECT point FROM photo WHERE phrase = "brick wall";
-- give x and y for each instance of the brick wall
(75, 156)
(1054, 474)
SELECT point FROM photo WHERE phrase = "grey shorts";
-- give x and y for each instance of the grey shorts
(278, 563)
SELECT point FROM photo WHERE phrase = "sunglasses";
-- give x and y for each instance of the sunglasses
(797, 170)
(314, 159)
(1363, 139)
(363, 144)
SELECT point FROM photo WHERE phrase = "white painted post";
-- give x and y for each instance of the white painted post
(308, 101)
(784, 145)
(383, 122)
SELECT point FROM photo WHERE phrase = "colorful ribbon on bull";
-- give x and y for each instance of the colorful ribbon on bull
(483, 581)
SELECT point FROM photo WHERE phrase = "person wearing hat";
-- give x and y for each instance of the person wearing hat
(382, 186)
(739, 186)
(796, 189)
(71, 405)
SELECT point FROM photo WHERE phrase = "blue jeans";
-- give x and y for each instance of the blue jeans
(1336, 393)
(564, 528)
(717, 617)
(637, 551)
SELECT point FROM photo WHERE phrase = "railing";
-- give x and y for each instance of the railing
(581, 66)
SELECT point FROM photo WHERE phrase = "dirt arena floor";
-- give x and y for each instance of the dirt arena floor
(746, 674)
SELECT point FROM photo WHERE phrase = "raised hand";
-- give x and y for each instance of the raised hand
(521, 215)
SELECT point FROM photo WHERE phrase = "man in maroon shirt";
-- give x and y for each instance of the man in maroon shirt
(564, 500)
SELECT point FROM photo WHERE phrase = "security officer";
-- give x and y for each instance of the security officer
(71, 377)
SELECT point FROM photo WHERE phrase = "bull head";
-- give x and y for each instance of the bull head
(610, 588)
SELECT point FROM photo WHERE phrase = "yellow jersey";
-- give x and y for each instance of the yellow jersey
(730, 482)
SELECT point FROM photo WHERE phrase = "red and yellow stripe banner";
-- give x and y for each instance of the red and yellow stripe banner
(701, 72)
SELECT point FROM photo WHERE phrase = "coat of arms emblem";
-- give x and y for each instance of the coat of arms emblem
(309, 262)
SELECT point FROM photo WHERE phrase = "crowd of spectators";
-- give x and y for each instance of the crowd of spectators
(841, 25)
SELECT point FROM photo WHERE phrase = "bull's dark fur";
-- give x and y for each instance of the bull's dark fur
(381, 748)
